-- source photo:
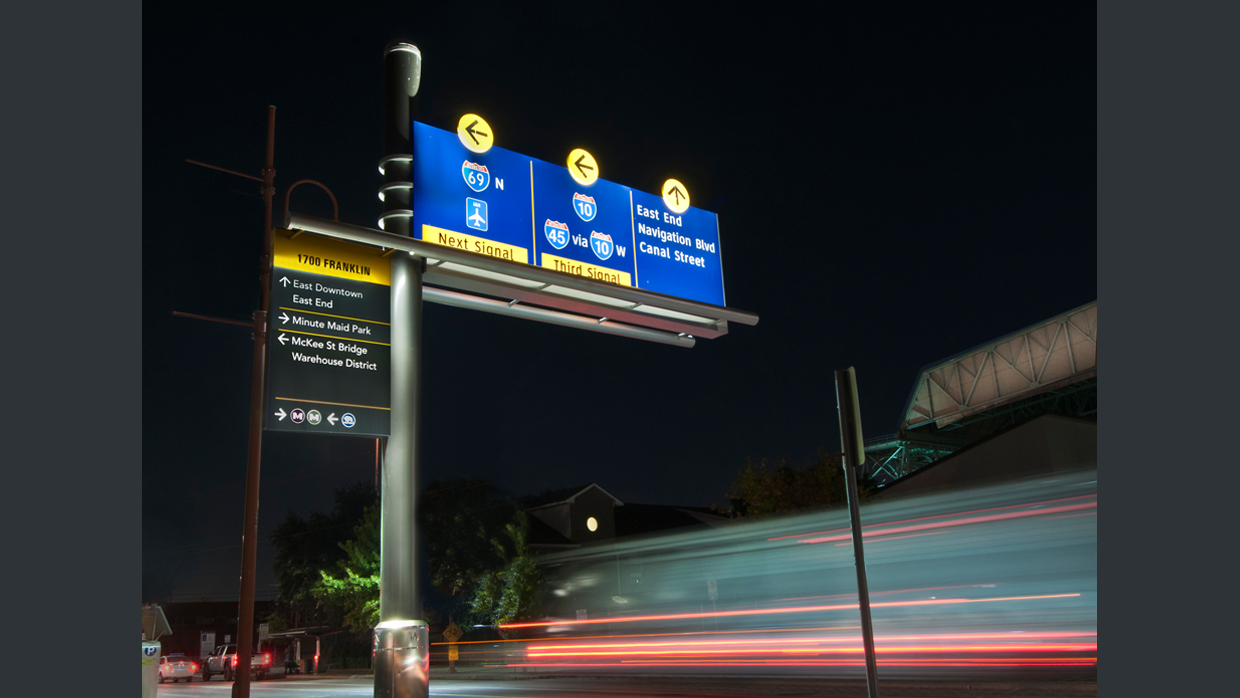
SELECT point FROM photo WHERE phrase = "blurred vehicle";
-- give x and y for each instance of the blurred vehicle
(224, 661)
(177, 667)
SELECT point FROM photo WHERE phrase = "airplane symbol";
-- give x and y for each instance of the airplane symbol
(476, 214)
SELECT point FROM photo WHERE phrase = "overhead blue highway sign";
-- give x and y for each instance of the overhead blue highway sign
(510, 206)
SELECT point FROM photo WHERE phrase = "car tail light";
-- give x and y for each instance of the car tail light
(266, 659)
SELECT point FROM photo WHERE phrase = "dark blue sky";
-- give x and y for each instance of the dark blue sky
(893, 183)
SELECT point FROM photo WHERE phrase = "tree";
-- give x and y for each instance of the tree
(476, 547)
(512, 591)
(767, 487)
(304, 547)
(354, 584)
(460, 518)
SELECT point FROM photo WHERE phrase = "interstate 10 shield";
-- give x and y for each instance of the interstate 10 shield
(585, 206)
(601, 244)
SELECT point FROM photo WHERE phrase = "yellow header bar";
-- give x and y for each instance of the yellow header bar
(471, 243)
(330, 257)
(611, 276)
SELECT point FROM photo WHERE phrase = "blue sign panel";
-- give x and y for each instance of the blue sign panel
(510, 206)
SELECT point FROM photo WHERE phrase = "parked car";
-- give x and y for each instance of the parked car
(224, 661)
(177, 667)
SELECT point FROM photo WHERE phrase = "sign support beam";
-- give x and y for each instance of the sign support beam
(401, 638)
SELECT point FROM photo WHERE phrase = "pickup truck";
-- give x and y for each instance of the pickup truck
(224, 661)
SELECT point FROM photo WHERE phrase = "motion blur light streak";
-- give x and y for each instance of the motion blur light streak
(866, 529)
(889, 593)
(959, 522)
(1014, 586)
(750, 642)
(763, 611)
(880, 540)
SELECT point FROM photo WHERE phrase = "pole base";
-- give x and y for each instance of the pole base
(402, 659)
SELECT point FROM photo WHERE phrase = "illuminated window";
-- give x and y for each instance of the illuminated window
(592, 523)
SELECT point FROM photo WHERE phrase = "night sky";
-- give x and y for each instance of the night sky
(894, 184)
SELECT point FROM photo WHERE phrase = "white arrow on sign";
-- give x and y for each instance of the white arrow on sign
(284, 281)
(282, 339)
(283, 319)
(281, 414)
(332, 419)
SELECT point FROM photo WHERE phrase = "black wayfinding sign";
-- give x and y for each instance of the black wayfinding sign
(329, 364)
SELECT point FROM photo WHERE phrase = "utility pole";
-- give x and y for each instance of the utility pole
(258, 381)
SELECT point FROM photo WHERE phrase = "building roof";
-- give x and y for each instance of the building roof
(636, 519)
(566, 496)
(542, 535)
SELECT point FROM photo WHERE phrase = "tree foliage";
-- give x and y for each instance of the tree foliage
(354, 584)
(476, 542)
(460, 518)
(510, 592)
(305, 547)
(770, 487)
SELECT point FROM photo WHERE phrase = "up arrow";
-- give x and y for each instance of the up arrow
(282, 339)
(332, 419)
(676, 192)
(281, 414)
(284, 281)
(582, 167)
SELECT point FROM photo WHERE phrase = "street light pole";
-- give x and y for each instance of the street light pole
(854, 455)
(401, 641)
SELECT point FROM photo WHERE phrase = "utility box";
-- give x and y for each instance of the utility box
(150, 668)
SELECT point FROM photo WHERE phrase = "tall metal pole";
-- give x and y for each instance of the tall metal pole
(249, 526)
(402, 660)
(854, 454)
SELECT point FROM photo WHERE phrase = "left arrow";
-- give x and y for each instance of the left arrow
(474, 132)
(282, 339)
(582, 167)
(332, 419)
(281, 414)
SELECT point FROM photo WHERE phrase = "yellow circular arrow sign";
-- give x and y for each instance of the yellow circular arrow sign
(676, 196)
(475, 133)
(582, 167)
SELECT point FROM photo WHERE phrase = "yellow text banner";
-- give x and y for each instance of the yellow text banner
(475, 244)
(331, 257)
(590, 271)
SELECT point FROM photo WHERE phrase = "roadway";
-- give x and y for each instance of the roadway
(470, 685)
